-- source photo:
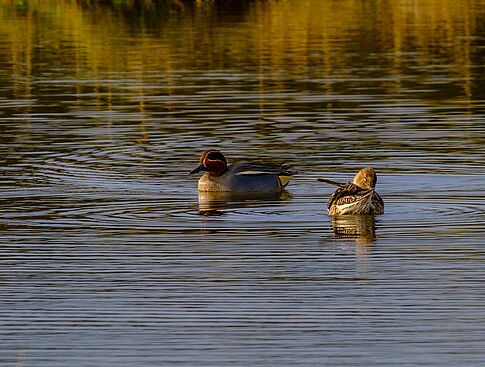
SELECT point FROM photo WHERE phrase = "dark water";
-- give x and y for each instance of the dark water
(106, 259)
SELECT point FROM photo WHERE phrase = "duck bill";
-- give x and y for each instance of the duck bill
(199, 168)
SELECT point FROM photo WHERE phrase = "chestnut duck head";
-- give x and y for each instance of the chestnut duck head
(213, 162)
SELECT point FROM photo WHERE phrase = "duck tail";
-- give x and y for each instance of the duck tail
(284, 180)
(331, 182)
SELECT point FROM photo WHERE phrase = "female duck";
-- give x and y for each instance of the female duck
(240, 177)
(356, 197)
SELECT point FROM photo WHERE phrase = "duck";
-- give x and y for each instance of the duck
(356, 197)
(248, 177)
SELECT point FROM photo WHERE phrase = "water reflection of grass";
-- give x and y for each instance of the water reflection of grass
(277, 35)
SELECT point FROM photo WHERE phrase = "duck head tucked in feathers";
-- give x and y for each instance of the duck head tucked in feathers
(356, 197)
(366, 178)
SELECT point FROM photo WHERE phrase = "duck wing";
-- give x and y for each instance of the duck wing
(346, 194)
(282, 171)
(377, 204)
(254, 168)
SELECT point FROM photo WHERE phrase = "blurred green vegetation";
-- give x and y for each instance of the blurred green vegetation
(129, 35)
(137, 4)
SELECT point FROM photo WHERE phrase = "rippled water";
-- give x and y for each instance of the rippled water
(110, 257)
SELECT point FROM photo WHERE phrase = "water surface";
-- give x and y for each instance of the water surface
(109, 256)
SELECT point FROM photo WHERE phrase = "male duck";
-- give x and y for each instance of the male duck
(356, 197)
(240, 177)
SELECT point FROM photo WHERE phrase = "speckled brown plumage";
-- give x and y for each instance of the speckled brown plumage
(357, 197)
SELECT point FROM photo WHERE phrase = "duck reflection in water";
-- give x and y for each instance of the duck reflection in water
(215, 203)
(358, 228)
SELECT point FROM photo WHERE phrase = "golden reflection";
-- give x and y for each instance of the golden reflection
(359, 228)
(214, 203)
(284, 36)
